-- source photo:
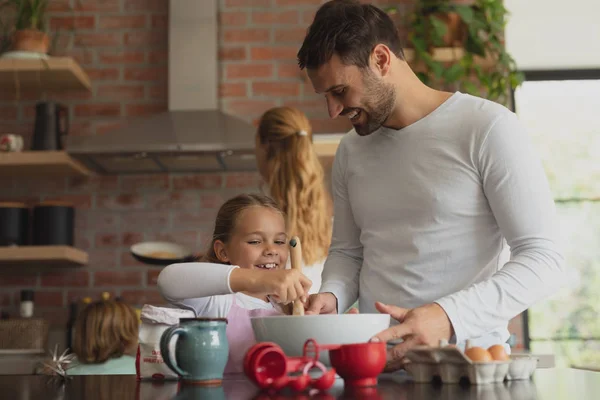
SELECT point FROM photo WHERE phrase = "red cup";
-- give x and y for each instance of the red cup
(265, 363)
(359, 364)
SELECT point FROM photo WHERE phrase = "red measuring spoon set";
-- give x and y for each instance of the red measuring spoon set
(358, 364)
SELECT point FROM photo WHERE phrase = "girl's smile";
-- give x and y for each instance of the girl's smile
(258, 240)
(267, 266)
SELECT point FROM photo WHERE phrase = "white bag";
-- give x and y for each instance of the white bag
(149, 363)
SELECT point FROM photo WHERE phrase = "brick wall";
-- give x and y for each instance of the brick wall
(114, 212)
(259, 40)
(122, 45)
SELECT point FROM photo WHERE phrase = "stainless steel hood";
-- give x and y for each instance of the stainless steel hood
(177, 141)
(194, 135)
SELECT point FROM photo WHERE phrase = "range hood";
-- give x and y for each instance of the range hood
(193, 135)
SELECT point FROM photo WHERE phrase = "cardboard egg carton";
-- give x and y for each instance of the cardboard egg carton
(451, 365)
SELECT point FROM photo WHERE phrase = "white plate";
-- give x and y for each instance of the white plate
(30, 55)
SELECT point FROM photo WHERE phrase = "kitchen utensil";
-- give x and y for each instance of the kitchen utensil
(296, 255)
(267, 365)
(162, 253)
(360, 363)
(14, 224)
(201, 350)
(290, 332)
(51, 125)
(53, 224)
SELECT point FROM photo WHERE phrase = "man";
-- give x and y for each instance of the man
(427, 187)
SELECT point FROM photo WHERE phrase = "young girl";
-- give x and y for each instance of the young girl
(250, 239)
(106, 338)
(289, 164)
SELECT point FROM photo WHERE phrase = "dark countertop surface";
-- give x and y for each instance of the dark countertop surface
(546, 384)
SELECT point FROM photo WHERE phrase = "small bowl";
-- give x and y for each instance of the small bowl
(264, 363)
(359, 364)
(161, 253)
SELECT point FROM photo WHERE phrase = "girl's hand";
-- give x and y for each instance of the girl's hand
(284, 285)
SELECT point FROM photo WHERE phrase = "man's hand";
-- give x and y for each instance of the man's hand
(425, 325)
(321, 303)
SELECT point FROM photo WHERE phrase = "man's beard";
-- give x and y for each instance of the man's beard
(378, 104)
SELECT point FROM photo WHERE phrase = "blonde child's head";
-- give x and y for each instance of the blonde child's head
(288, 162)
(250, 233)
(105, 329)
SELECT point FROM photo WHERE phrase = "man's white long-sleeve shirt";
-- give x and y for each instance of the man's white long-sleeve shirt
(422, 215)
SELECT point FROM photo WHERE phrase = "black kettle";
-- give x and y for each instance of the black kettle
(51, 124)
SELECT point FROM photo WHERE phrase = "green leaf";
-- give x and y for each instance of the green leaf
(391, 10)
(423, 77)
(453, 73)
(516, 79)
(465, 13)
(470, 88)
(497, 26)
(437, 68)
(426, 57)
(478, 69)
(474, 46)
(419, 43)
(439, 29)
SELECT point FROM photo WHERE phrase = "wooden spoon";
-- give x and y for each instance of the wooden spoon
(296, 255)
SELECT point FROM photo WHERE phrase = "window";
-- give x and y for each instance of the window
(561, 110)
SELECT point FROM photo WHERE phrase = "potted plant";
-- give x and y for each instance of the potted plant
(29, 27)
(475, 31)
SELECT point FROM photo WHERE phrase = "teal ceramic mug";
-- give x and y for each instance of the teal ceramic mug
(201, 349)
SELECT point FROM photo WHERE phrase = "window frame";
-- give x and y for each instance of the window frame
(553, 75)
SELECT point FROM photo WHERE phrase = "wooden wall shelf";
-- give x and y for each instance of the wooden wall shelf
(52, 74)
(41, 164)
(448, 54)
(442, 54)
(32, 255)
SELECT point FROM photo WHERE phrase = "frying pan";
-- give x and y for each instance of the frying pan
(162, 253)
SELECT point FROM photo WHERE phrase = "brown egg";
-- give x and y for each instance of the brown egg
(478, 354)
(498, 353)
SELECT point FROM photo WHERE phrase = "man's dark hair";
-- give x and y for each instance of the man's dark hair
(349, 29)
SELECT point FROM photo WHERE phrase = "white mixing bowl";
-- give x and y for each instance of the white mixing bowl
(291, 332)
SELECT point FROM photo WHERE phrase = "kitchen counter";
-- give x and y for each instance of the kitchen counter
(16, 363)
(546, 384)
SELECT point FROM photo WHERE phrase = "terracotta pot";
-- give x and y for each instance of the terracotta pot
(31, 40)
(456, 32)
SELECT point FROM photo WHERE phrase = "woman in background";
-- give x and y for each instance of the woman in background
(289, 164)
(106, 339)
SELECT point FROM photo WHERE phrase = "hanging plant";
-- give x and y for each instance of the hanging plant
(482, 65)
